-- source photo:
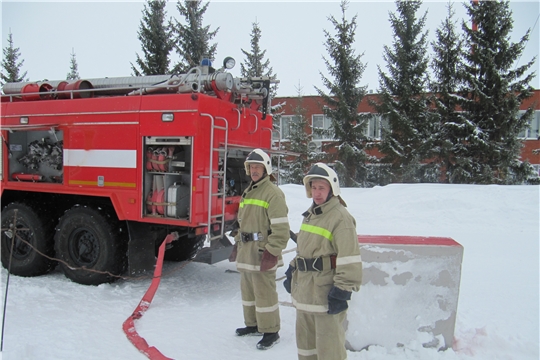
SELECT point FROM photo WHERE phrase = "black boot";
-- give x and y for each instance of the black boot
(248, 331)
(268, 340)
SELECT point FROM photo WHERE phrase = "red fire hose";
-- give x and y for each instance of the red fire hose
(129, 325)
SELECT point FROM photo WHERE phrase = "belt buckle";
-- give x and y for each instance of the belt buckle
(298, 263)
(316, 261)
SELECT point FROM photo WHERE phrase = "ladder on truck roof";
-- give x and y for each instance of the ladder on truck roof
(219, 174)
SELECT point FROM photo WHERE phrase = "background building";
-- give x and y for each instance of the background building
(313, 106)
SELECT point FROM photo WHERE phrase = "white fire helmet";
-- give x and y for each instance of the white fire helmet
(258, 156)
(322, 171)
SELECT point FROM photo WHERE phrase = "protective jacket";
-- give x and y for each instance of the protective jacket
(263, 211)
(327, 232)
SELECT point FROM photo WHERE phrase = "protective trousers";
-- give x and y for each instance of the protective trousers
(260, 300)
(320, 336)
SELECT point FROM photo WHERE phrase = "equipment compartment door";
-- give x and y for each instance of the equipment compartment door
(36, 156)
(167, 177)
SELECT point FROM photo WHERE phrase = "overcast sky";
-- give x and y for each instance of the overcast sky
(103, 35)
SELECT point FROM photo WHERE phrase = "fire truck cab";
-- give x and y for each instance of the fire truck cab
(95, 173)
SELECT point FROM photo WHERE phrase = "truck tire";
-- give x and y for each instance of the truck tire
(90, 239)
(36, 230)
(185, 248)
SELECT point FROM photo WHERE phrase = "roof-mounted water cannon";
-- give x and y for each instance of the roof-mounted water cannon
(257, 89)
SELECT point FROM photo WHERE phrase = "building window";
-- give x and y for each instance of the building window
(533, 131)
(322, 123)
(374, 128)
(286, 123)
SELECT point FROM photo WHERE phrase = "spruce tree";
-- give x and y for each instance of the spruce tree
(255, 66)
(10, 64)
(343, 99)
(407, 143)
(192, 40)
(299, 140)
(494, 87)
(155, 36)
(73, 73)
(447, 64)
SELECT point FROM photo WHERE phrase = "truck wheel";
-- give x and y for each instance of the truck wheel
(36, 230)
(90, 239)
(185, 248)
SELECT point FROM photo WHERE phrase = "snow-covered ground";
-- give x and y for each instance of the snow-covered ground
(197, 306)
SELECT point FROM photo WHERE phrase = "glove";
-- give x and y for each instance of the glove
(232, 257)
(288, 280)
(268, 261)
(337, 300)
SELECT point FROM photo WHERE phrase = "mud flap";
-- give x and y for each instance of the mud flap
(141, 249)
(219, 250)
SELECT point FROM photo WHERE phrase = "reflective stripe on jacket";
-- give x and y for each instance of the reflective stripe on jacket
(262, 210)
(326, 230)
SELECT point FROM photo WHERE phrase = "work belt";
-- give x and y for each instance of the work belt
(246, 237)
(317, 264)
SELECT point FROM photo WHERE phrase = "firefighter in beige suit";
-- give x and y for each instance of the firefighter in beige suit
(326, 269)
(263, 234)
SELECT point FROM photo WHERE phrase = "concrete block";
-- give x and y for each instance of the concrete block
(409, 292)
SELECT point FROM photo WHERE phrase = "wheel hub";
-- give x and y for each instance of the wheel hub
(84, 247)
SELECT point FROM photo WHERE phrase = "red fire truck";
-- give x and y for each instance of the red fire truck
(97, 172)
